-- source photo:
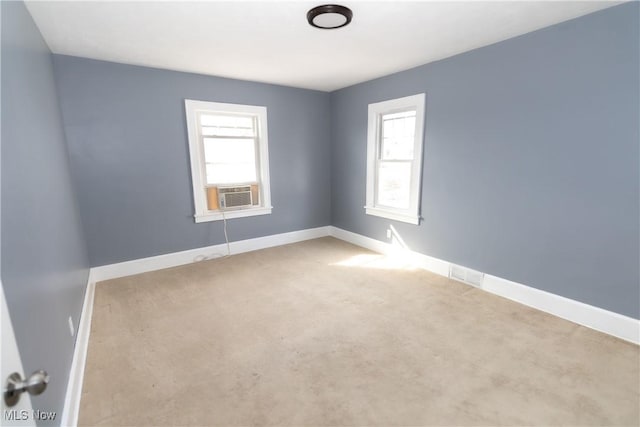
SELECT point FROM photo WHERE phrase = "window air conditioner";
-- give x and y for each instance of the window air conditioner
(235, 197)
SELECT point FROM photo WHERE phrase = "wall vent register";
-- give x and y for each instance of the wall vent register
(466, 275)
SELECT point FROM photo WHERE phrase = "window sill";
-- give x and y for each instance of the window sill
(240, 213)
(397, 216)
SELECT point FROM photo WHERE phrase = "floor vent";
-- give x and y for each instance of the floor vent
(466, 275)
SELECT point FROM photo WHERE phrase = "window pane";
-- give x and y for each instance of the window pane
(225, 173)
(230, 161)
(394, 184)
(222, 150)
(227, 125)
(398, 136)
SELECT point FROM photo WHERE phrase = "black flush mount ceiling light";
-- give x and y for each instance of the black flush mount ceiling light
(329, 16)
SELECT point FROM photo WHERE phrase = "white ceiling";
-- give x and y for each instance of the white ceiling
(270, 41)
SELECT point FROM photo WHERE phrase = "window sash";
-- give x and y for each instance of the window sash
(381, 159)
(255, 177)
(398, 128)
(380, 199)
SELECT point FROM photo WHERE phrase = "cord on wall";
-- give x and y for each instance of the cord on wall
(226, 238)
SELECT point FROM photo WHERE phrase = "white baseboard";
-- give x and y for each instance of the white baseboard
(602, 320)
(143, 265)
(611, 323)
(74, 387)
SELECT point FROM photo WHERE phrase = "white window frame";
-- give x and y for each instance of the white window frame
(196, 154)
(374, 134)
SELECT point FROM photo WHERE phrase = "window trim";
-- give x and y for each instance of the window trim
(196, 155)
(374, 133)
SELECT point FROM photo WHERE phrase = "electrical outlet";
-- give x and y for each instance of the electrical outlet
(388, 233)
(72, 329)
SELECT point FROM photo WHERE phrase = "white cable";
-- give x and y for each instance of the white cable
(226, 237)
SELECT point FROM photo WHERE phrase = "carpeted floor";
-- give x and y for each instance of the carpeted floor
(323, 333)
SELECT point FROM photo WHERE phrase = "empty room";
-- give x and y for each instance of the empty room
(296, 213)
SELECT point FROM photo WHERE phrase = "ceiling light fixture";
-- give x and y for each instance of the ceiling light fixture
(329, 16)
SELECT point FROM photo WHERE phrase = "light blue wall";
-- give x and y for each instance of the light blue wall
(531, 159)
(129, 156)
(531, 168)
(44, 264)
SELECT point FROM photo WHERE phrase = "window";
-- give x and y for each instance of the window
(394, 158)
(228, 147)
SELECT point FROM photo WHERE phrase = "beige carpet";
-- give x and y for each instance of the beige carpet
(323, 333)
